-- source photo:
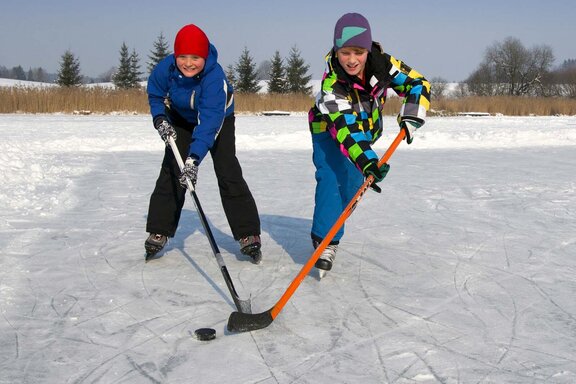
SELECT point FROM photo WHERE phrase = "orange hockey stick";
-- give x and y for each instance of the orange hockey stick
(244, 322)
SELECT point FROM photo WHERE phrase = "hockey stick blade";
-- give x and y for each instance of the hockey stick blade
(246, 322)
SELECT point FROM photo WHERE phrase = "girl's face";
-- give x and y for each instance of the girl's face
(353, 60)
(190, 65)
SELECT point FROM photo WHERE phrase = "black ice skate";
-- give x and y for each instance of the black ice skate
(250, 246)
(154, 244)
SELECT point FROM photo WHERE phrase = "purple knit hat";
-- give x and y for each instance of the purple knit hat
(352, 30)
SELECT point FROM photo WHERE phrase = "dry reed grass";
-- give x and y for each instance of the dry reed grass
(507, 105)
(107, 100)
(255, 103)
(69, 100)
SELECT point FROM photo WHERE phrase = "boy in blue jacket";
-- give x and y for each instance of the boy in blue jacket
(191, 100)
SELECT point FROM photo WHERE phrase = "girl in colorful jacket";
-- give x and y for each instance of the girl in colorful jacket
(347, 119)
(191, 100)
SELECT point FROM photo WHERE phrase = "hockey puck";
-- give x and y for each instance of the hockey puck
(205, 334)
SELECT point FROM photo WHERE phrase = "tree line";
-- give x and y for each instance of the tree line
(508, 68)
(290, 76)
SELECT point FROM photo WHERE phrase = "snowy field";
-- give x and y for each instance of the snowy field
(462, 271)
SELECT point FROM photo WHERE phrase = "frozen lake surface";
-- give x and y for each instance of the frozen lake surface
(462, 271)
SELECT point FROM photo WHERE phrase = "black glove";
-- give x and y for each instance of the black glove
(378, 173)
(189, 172)
(164, 128)
(409, 128)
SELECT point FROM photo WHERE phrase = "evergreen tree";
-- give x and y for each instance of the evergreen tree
(247, 81)
(121, 78)
(231, 75)
(127, 74)
(135, 69)
(296, 73)
(160, 51)
(69, 73)
(18, 73)
(277, 82)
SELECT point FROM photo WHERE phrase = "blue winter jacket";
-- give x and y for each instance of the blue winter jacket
(203, 100)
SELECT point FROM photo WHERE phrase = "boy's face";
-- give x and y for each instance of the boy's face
(190, 65)
(353, 60)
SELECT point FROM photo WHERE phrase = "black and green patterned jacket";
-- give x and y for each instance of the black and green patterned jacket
(352, 112)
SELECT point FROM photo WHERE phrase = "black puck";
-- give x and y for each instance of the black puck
(205, 334)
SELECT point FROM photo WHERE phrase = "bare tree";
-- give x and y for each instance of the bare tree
(439, 87)
(482, 82)
(509, 68)
(106, 77)
(264, 70)
(565, 78)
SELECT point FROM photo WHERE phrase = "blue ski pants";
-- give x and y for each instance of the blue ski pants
(337, 181)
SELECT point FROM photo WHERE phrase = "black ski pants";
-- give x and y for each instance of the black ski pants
(167, 199)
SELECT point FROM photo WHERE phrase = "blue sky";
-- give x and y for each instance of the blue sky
(443, 38)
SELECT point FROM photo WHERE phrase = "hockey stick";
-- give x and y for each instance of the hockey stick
(243, 306)
(244, 322)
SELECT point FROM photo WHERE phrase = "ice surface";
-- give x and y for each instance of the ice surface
(461, 271)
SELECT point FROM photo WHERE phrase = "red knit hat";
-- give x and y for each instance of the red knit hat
(191, 40)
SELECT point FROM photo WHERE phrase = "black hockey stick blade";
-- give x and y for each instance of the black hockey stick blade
(246, 322)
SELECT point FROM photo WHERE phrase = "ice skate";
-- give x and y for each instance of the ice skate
(250, 246)
(324, 263)
(154, 244)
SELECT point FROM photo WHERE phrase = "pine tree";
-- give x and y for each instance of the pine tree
(296, 73)
(277, 82)
(135, 69)
(160, 51)
(231, 75)
(127, 75)
(18, 73)
(69, 73)
(247, 76)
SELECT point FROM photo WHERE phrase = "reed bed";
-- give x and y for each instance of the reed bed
(105, 100)
(506, 105)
